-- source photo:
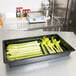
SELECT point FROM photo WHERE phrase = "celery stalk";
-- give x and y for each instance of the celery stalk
(34, 51)
(51, 45)
(56, 43)
(21, 44)
(24, 49)
(44, 43)
(16, 57)
(43, 48)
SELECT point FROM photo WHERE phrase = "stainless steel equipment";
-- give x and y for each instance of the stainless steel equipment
(60, 10)
(72, 17)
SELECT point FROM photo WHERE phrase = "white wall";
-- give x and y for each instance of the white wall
(9, 6)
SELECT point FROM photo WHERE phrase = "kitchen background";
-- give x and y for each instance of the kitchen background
(9, 6)
(63, 10)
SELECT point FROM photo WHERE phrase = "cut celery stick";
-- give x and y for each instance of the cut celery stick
(10, 58)
(52, 49)
(13, 53)
(48, 49)
(43, 48)
(21, 44)
(27, 53)
(56, 43)
(59, 48)
(26, 43)
(23, 49)
(30, 56)
(51, 45)
(22, 55)
(44, 42)
(34, 51)
(55, 49)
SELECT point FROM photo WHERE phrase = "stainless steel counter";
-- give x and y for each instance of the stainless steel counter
(65, 66)
(23, 24)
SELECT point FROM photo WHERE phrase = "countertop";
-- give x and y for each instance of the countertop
(65, 66)
(23, 24)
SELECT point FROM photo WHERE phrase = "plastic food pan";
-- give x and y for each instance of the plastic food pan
(64, 45)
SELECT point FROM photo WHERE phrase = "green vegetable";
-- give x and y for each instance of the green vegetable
(52, 46)
(56, 43)
(32, 49)
(16, 57)
(23, 50)
(16, 46)
(44, 42)
(13, 51)
(43, 48)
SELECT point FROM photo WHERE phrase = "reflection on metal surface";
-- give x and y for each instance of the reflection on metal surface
(61, 9)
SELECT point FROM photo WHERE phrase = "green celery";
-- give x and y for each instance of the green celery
(24, 50)
(21, 44)
(44, 43)
(51, 45)
(10, 58)
(44, 50)
(56, 43)
(21, 53)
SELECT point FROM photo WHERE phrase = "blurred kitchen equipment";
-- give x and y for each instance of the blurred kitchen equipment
(28, 13)
(2, 20)
(19, 12)
(45, 6)
(15, 23)
(38, 19)
(71, 21)
(59, 10)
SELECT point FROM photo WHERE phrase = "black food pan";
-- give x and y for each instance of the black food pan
(64, 45)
